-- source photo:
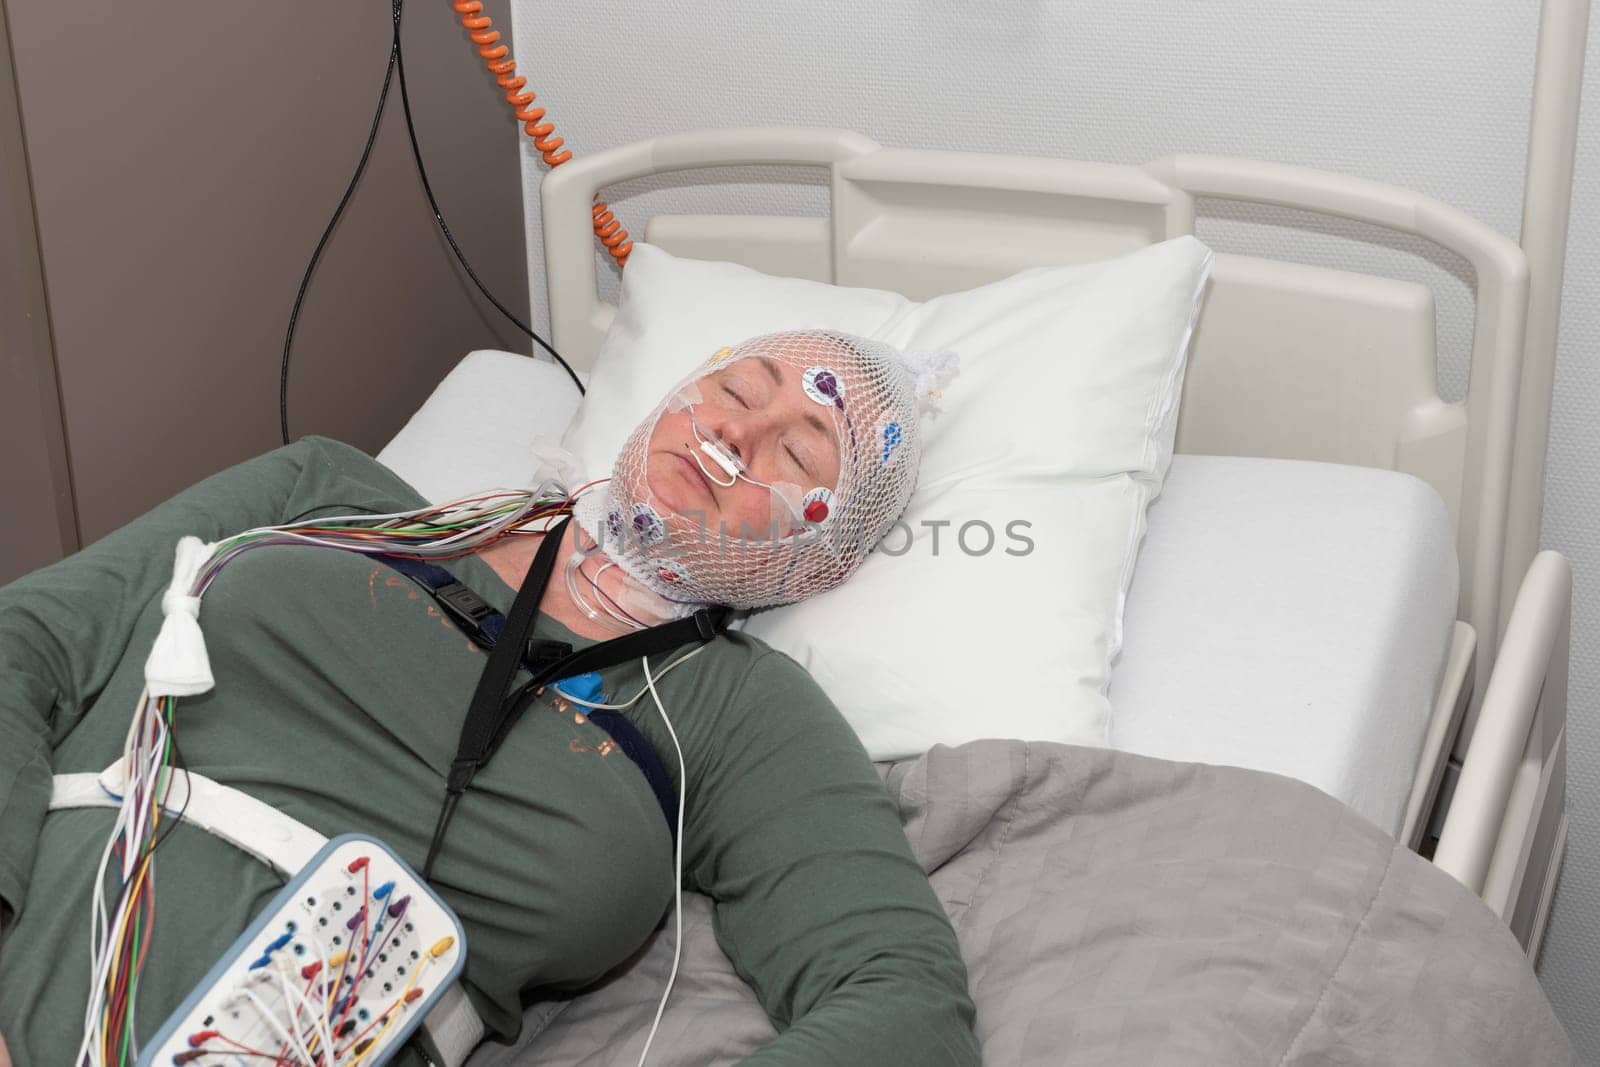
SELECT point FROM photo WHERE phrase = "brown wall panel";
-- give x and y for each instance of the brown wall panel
(185, 160)
(37, 523)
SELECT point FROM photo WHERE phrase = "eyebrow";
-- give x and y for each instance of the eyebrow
(813, 420)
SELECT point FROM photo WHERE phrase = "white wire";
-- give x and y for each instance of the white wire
(677, 863)
(277, 1028)
(610, 617)
(605, 601)
(90, 1048)
(318, 1018)
(686, 657)
(485, 503)
(103, 932)
(443, 545)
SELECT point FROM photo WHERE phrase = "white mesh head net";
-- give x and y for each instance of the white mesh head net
(767, 475)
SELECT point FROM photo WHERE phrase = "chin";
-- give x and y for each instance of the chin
(681, 501)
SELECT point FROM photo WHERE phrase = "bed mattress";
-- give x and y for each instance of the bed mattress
(1293, 617)
(1284, 616)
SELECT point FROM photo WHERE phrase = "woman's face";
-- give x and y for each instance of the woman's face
(761, 412)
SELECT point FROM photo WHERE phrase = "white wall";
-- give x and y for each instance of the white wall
(1429, 94)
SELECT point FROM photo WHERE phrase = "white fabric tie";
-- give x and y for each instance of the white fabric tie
(932, 371)
(178, 665)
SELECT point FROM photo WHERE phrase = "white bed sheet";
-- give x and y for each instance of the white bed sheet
(1293, 617)
(1286, 616)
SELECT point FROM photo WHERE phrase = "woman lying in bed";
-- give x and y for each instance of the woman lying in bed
(341, 689)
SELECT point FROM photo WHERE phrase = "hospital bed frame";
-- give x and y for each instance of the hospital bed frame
(1287, 361)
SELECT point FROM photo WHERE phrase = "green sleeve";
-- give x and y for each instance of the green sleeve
(63, 629)
(819, 902)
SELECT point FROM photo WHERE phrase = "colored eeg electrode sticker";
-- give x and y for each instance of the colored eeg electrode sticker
(823, 386)
(889, 438)
(817, 505)
(669, 570)
(718, 356)
(647, 524)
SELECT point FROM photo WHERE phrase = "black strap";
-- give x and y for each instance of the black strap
(491, 715)
(483, 714)
(482, 623)
(471, 613)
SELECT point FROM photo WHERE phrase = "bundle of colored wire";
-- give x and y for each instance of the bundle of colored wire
(120, 935)
(444, 531)
(120, 938)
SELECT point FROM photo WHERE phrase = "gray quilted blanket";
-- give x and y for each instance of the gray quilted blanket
(1115, 909)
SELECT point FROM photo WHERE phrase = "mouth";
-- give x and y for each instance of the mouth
(695, 473)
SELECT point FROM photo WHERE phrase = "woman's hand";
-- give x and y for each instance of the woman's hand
(5, 1057)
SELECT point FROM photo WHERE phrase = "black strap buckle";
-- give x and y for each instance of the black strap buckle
(544, 652)
(465, 608)
(708, 624)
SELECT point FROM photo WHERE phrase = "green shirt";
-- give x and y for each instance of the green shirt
(339, 698)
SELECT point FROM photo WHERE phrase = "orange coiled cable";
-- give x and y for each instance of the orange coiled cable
(497, 57)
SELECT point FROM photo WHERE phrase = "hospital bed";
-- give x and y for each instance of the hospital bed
(1376, 619)
(1370, 617)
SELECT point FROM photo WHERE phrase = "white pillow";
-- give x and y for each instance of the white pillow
(483, 426)
(1062, 419)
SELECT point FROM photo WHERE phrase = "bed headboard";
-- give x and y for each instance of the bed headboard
(1287, 360)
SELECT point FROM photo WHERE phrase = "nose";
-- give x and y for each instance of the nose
(735, 430)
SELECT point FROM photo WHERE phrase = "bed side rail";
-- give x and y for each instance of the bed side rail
(1503, 833)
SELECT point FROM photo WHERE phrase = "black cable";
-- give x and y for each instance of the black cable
(305, 282)
(444, 227)
(181, 764)
(396, 62)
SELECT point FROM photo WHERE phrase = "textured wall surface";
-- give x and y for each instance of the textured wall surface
(42, 524)
(1430, 95)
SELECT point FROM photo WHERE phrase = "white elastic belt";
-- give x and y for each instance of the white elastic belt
(259, 829)
(281, 842)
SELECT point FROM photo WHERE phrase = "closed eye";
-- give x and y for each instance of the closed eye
(729, 390)
(800, 461)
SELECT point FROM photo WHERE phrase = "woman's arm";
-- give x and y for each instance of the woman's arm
(819, 902)
(63, 629)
